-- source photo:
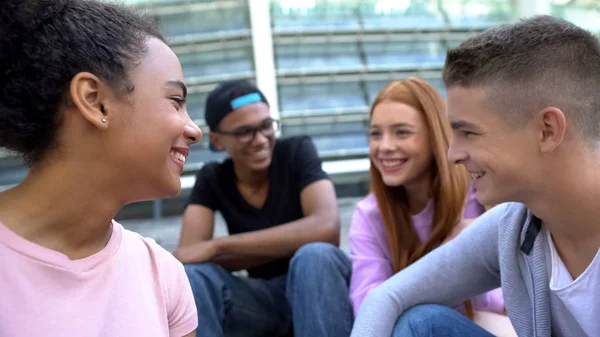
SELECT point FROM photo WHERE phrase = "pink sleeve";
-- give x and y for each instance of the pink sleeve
(492, 301)
(473, 208)
(182, 314)
(370, 267)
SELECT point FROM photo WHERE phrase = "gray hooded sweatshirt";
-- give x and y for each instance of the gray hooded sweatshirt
(503, 247)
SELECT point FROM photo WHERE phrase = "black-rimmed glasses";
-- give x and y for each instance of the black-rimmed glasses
(246, 134)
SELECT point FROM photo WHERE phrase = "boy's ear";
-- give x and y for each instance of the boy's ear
(552, 128)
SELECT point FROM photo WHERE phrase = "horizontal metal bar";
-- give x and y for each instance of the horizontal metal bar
(357, 70)
(199, 87)
(192, 167)
(321, 71)
(167, 9)
(213, 80)
(358, 75)
(324, 116)
(5, 154)
(331, 30)
(212, 37)
(212, 46)
(371, 37)
(344, 154)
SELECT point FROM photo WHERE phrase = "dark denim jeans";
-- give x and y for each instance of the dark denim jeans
(432, 320)
(312, 298)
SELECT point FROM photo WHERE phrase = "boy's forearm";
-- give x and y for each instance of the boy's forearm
(280, 241)
(463, 268)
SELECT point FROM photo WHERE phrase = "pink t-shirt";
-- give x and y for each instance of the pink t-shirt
(371, 258)
(132, 287)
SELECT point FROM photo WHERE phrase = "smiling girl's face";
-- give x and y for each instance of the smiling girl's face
(399, 144)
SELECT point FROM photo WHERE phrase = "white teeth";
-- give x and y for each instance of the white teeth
(391, 163)
(178, 156)
(476, 175)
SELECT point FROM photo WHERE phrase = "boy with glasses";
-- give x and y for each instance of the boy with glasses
(281, 213)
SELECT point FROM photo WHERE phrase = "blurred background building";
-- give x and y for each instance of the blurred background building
(320, 63)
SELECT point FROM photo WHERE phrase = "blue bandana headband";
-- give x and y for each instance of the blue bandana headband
(244, 100)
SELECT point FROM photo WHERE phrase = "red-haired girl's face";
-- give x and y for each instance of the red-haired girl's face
(399, 144)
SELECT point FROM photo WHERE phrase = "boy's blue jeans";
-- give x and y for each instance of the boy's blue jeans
(431, 320)
(312, 300)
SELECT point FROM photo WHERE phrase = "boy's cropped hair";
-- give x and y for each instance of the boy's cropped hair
(539, 62)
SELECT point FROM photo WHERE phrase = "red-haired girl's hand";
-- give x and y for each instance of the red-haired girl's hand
(458, 229)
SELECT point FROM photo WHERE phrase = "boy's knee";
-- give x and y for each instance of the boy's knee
(316, 252)
(427, 310)
(419, 320)
(322, 257)
(202, 271)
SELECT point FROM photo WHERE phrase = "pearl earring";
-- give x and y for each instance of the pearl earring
(103, 120)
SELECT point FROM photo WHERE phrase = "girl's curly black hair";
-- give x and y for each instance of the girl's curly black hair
(43, 45)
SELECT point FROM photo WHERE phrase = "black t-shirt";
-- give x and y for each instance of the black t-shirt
(294, 166)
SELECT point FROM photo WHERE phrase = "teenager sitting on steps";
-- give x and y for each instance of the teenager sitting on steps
(524, 104)
(94, 100)
(418, 198)
(281, 213)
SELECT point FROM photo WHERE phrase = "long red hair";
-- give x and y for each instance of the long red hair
(449, 182)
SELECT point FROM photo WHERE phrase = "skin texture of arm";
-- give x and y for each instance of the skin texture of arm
(192, 334)
(321, 223)
(198, 225)
(458, 270)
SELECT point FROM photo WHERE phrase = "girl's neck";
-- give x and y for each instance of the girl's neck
(61, 208)
(418, 194)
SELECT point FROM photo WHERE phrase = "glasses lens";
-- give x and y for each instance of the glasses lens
(268, 129)
(245, 137)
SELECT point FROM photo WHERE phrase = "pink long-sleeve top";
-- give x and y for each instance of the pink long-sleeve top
(371, 258)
